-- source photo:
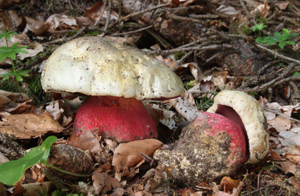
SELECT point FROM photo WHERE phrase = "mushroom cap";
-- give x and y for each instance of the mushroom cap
(99, 66)
(252, 116)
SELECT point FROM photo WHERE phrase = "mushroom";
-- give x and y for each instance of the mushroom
(246, 111)
(217, 142)
(116, 78)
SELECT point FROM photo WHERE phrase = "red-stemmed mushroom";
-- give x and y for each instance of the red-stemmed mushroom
(116, 78)
(218, 142)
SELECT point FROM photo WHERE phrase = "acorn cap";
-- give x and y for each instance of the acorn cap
(252, 117)
(101, 67)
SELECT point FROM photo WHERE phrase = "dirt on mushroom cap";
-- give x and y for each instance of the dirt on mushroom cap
(99, 66)
(252, 116)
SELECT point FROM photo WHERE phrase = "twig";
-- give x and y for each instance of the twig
(246, 10)
(134, 31)
(182, 18)
(64, 39)
(144, 11)
(278, 55)
(108, 15)
(275, 81)
(204, 16)
(182, 59)
(172, 51)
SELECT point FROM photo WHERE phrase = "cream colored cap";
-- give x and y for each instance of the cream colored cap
(99, 66)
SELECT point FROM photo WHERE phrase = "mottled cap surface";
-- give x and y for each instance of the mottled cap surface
(102, 67)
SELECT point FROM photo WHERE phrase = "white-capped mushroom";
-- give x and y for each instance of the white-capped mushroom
(115, 77)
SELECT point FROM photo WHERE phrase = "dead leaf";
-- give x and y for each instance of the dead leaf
(128, 154)
(283, 5)
(61, 22)
(69, 158)
(19, 108)
(228, 184)
(186, 109)
(261, 10)
(227, 10)
(26, 126)
(219, 78)
(37, 27)
(14, 96)
(85, 141)
(103, 182)
(35, 189)
(33, 50)
(8, 3)
(288, 167)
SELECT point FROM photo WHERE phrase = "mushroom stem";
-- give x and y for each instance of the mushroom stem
(124, 119)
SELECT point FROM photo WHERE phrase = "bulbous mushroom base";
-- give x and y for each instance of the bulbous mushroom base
(210, 147)
(123, 119)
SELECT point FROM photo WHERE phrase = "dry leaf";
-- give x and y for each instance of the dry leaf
(186, 109)
(227, 10)
(37, 27)
(26, 126)
(14, 96)
(35, 189)
(261, 10)
(62, 22)
(85, 141)
(103, 182)
(228, 184)
(69, 158)
(33, 50)
(128, 154)
(219, 78)
(283, 5)
(8, 3)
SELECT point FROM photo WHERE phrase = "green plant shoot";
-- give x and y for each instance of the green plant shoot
(281, 39)
(12, 172)
(258, 27)
(11, 53)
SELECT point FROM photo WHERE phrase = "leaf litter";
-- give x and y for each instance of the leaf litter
(20, 119)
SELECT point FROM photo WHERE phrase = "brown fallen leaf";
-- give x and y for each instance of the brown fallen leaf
(14, 96)
(26, 126)
(33, 50)
(85, 141)
(228, 184)
(103, 182)
(128, 154)
(70, 159)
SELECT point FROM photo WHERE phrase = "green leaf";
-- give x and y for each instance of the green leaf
(281, 44)
(292, 35)
(296, 74)
(5, 78)
(11, 73)
(258, 27)
(260, 40)
(21, 72)
(278, 36)
(7, 34)
(16, 49)
(19, 78)
(284, 30)
(12, 172)
(270, 40)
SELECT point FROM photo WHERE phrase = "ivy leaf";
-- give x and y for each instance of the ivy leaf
(12, 172)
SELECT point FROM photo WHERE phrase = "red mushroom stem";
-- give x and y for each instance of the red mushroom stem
(123, 119)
